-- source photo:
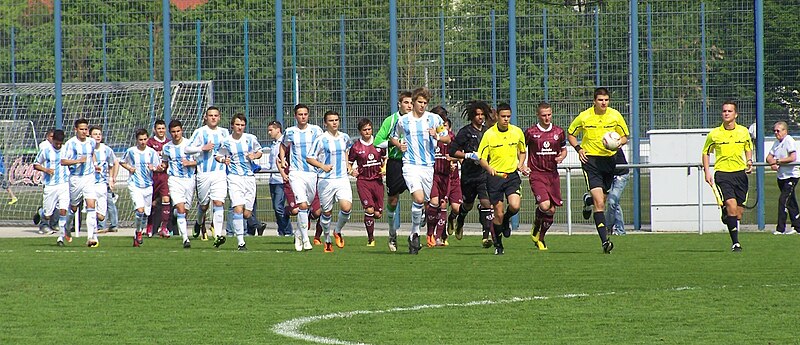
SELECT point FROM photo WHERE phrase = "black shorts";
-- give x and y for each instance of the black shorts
(732, 185)
(472, 188)
(500, 187)
(599, 172)
(395, 183)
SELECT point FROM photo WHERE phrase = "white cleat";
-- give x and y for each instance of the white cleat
(790, 232)
(298, 244)
(307, 245)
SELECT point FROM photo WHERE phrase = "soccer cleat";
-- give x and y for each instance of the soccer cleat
(41, 231)
(451, 227)
(393, 243)
(136, 243)
(776, 232)
(541, 245)
(219, 241)
(445, 243)
(37, 218)
(317, 241)
(60, 242)
(13, 201)
(203, 233)
(196, 231)
(459, 228)
(619, 232)
(260, 229)
(506, 230)
(736, 247)
(587, 206)
(328, 247)
(298, 243)
(413, 244)
(498, 250)
(242, 247)
(187, 244)
(371, 243)
(607, 247)
(150, 231)
(139, 238)
(790, 232)
(535, 234)
(92, 244)
(307, 245)
(114, 229)
(339, 240)
(164, 233)
(487, 242)
(430, 241)
(69, 239)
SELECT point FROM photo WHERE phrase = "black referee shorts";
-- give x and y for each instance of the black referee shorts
(395, 183)
(732, 185)
(500, 187)
(599, 172)
(472, 188)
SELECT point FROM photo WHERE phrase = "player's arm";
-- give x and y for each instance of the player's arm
(256, 154)
(707, 147)
(37, 165)
(70, 159)
(483, 155)
(749, 156)
(573, 141)
(382, 138)
(522, 155)
(440, 134)
(351, 159)
(223, 154)
(113, 169)
(316, 150)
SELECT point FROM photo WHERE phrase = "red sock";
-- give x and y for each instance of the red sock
(318, 233)
(441, 222)
(369, 224)
(431, 214)
(165, 213)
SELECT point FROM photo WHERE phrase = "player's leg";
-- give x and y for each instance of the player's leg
(326, 194)
(365, 188)
(455, 197)
(344, 194)
(395, 185)
(511, 190)
(219, 189)
(786, 189)
(438, 191)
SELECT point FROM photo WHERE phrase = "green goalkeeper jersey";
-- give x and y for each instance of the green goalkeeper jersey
(387, 127)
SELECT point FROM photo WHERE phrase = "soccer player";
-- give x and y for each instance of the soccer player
(56, 184)
(302, 175)
(421, 131)
(141, 160)
(105, 175)
(369, 175)
(274, 129)
(784, 151)
(733, 153)
(180, 167)
(48, 139)
(436, 213)
(598, 162)
(547, 147)
(395, 184)
(237, 152)
(454, 197)
(329, 155)
(160, 184)
(502, 154)
(473, 176)
(212, 184)
(78, 155)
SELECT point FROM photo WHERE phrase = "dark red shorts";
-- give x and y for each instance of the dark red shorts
(441, 186)
(546, 186)
(371, 194)
(455, 196)
(160, 185)
(287, 191)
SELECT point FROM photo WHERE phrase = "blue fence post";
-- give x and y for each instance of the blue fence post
(247, 72)
(596, 46)
(393, 74)
(634, 95)
(167, 58)
(152, 67)
(704, 63)
(494, 60)
(295, 77)
(342, 74)
(759, 33)
(512, 58)
(105, 80)
(58, 76)
(442, 63)
(198, 70)
(13, 76)
(279, 76)
(544, 44)
(650, 91)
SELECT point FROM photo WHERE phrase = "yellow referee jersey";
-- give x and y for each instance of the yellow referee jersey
(501, 149)
(594, 127)
(729, 147)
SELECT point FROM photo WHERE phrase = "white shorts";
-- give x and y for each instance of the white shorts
(211, 186)
(55, 198)
(81, 187)
(334, 189)
(418, 178)
(242, 191)
(101, 203)
(141, 198)
(181, 190)
(304, 186)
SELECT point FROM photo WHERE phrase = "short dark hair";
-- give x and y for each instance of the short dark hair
(440, 110)
(159, 122)
(448, 123)
(212, 108)
(93, 128)
(49, 131)
(276, 124)
(239, 116)
(503, 106)
(58, 135)
(404, 94)
(542, 105)
(175, 123)
(330, 112)
(731, 102)
(81, 121)
(140, 132)
(299, 106)
(363, 123)
(601, 91)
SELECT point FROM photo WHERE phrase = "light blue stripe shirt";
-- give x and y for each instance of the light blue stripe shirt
(421, 146)
(300, 142)
(76, 149)
(238, 150)
(105, 159)
(143, 176)
(332, 150)
(50, 158)
(202, 136)
(174, 155)
(274, 178)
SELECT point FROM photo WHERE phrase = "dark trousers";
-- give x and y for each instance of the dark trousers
(279, 206)
(787, 202)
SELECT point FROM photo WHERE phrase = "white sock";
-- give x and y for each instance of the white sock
(62, 226)
(325, 222)
(416, 217)
(390, 220)
(91, 223)
(238, 227)
(141, 221)
(302, 224)
(219, 221)
(182, 226)
(343, 218)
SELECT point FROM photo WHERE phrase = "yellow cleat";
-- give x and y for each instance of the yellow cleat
(93, 244)
(13, 201)
(541, 245)
(371, 243)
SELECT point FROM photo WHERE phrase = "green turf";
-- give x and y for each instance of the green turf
(665, 288)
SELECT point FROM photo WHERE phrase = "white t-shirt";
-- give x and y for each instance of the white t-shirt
(782, 149)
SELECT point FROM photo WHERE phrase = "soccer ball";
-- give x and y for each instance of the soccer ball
(611, 140)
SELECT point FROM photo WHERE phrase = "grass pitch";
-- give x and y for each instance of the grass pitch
(662, 288)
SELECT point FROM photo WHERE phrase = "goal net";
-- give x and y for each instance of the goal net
(27, 112)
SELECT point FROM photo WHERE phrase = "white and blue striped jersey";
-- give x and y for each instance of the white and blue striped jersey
(421, 146)
(76, 149)
(104, 158)
(332, 150)
(202, 136)
(300, 142)
(143, 176)
(238, 150)
(174, 154)
(272, 162)
(50, 158)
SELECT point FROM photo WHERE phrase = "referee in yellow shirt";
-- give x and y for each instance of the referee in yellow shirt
(728, 142)
(502, 153)
(597, 162)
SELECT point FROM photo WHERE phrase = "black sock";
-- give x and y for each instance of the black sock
(507, 216)
(600, 224)
(733, 228)
(485, 217)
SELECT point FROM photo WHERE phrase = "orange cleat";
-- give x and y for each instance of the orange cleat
(339, 240)
(328, 248)
(431, 241)
(317, 241)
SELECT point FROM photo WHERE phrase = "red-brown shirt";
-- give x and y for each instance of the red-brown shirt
(544, 146)
(369, 159)
(158, 146)
(441, 166)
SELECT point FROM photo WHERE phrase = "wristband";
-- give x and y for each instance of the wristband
(577, 148)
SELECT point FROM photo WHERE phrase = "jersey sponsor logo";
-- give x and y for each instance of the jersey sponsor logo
(369, 156)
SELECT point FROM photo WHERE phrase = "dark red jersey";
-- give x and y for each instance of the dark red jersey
(441, 166)
(369, 159)
(543, 147)
(455, 174)
(157, 145)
